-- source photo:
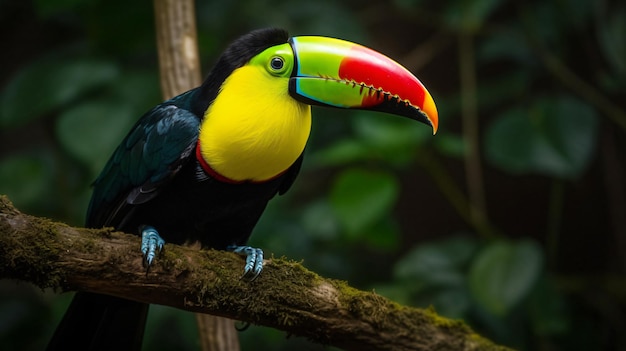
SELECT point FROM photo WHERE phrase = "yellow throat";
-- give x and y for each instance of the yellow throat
(254, 130)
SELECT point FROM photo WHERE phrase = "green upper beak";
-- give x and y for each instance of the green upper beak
(338, 73)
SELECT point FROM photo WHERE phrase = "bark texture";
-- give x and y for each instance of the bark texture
(285, 296)
(179, 62)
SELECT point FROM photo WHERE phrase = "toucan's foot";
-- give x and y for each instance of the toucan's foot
(254, 260)
(151, 245)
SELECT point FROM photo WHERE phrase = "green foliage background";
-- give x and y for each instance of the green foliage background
(538, 265)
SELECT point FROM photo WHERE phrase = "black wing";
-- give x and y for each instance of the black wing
(148, 158)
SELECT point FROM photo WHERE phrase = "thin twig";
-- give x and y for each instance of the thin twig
(469, 116)
(559, 70)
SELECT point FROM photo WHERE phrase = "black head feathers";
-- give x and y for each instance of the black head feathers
(237, 54)
(249, 45)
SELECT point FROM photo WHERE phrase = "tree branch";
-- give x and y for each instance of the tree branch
(286, 296)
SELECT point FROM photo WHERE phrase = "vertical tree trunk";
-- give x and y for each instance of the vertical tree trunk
(179, 64)
(179, 67)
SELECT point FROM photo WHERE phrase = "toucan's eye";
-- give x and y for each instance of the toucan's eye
(277, 63)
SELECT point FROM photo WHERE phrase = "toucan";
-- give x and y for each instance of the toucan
(202, 166)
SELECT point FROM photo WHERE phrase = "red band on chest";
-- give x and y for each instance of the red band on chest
(210, 171)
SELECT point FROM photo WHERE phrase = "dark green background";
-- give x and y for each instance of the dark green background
(380, 202)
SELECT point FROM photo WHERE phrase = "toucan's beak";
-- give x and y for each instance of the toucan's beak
(338, 73)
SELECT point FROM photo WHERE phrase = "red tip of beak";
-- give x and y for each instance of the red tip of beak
(386, 79)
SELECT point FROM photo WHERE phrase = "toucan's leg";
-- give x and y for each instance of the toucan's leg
(151, 244)
(254, 260)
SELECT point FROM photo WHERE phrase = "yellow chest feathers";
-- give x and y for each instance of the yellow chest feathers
(254, 130)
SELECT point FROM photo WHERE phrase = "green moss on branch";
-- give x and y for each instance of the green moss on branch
(286, 296)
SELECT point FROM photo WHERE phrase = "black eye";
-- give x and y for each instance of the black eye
(277, 63)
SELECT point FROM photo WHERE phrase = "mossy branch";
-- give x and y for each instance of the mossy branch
(286, 296)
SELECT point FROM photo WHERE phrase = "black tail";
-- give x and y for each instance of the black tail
(100, 322)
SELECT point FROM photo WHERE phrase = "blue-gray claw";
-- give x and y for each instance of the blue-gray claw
(254, 260)
(151, 245)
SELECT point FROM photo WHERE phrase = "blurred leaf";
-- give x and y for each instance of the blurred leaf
(390, 132)
(571, 128)
(139, 88)
(342, 152)
(511, 142)
(383, 235)
(552, 21)
(360, 198)
(91, 131)
(506, 87)
(575, 14)
(26, 179)
(320, 220)
(508, 43)
(469, 15)
(504, 273)
(548, 310)
(393, 139)
(556, 137)
(450, 144)
(322, 17)
(451, 302)
(441, 263)
(46, 8)
(434, 274)
(611, 33)
(48, 84)
(124, 28)
(407, 4)
(394, 291)
(542, 22)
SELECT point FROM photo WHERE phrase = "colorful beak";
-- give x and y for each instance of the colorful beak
(337, 73)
